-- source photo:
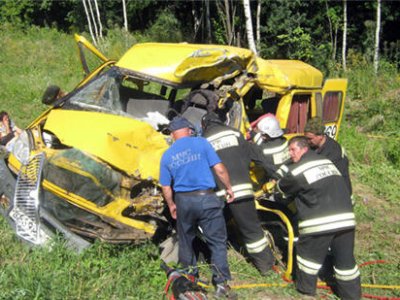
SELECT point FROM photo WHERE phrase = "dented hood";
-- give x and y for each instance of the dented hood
(186, 63)
(127, 144)
(282, 75)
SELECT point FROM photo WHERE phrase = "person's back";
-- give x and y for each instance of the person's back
(326, 220)
(236, 154)
(320, 191)
(226, 142)
(188, 188)
(328, 147)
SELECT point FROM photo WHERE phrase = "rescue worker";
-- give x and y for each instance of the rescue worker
(185, 171)
(322, 144)
(326, 220)
(236, 154)
(314, 131)
(269, 137)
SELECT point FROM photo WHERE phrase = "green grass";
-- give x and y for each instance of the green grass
(32, 59)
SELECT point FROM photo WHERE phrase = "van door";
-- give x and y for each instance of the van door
(333, 95)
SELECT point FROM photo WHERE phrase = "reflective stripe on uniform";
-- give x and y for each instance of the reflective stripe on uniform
(258, 139)
(239, 190)
(307, 266)
(280, 154)
(343, 152)
(347, 275)
(317, 173)
(224, 139)
(275, 149)
(222, 134)
(327, 223)
(282, 171)
(311, 164)
(257, 247)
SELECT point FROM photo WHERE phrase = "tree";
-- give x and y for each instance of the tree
(258, 25)
(98, 19)
(249, 26)
(334, 22)
(89, 22)
(344, 35)
(125, 17)
(208, 21)
(377, 38)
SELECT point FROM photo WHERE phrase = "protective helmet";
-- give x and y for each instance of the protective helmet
(269, 125)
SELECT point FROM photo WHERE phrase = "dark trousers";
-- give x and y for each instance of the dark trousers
(311, 253)
(206, 212)
(245, 215)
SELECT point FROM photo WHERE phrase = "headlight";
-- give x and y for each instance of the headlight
(20, 148)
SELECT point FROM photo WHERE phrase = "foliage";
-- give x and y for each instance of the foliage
(307, 29)
(299, 44)
(166, 28)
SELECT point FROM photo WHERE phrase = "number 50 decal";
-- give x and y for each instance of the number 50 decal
(331, 131)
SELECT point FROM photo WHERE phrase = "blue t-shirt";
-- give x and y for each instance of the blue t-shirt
(186, 165)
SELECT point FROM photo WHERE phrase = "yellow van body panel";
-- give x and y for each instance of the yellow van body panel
(184, 63)
(127, 144)
(282, 75)
(335, 85)
(112, 210)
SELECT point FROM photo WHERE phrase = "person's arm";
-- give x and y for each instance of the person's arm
(223, 175)
(256, 155)
(167, 192)
(5, 139)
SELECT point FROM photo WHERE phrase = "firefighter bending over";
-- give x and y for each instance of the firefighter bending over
(236, 154)
(326, 220)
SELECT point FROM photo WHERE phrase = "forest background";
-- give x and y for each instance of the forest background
(358, 40)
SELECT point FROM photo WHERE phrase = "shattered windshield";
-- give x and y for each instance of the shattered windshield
(101, 93)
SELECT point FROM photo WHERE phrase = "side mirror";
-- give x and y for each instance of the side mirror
(51, 94)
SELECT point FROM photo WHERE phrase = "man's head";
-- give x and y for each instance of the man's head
(314, 131)
(180, 127)
(269, 126)
(4, 116)
(298, 146)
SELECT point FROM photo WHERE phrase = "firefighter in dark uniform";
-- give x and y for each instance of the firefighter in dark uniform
(236, 154)
(326, 220)
(314, 131)
(269, 137)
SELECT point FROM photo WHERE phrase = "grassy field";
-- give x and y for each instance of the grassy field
(31, 60)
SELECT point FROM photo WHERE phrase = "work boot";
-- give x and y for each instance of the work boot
(224, 291)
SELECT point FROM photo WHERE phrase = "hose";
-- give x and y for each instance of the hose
(323, 285)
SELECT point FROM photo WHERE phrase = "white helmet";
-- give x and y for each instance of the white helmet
(269, 125)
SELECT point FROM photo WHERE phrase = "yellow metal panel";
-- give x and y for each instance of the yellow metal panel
(335, 85)
(281, 75)
(127, 144)
(80, 39)
(112, 210)
(182, 63)
(283, 110)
